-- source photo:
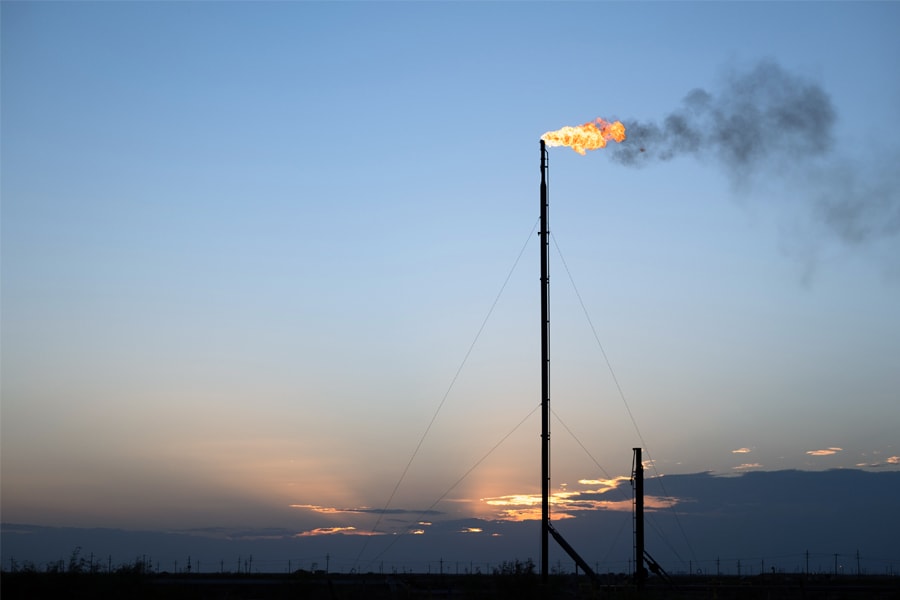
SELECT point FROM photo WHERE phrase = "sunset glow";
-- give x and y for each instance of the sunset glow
(273, 282)
(527, 507)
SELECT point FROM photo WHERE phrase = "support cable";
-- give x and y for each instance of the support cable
(588, 452)
(607, 475)
(415, 452)
(620, 391)
(458, 481)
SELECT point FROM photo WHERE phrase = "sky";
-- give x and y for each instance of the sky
(274, 265)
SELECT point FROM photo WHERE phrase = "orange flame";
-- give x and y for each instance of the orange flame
(589, 136)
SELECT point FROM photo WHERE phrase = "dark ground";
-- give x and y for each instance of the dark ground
(33, 586)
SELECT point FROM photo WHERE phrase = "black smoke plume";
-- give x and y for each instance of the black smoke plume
(759, 115)
(767, 121)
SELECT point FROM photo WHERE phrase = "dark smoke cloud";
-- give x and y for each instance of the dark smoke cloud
(766, 121)
(760, 115)
(860, 201)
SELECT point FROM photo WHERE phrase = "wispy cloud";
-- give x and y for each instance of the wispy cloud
(335, 531)
(329, 510)
(420, 529)
(742, 451)
(889, 461)
(605, 484)
(357, 515)
(566, 503)
(365, 510)
(745, 466)
(824, 451)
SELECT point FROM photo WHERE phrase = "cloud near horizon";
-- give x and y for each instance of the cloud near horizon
(824, 451)
(363, 510)
(608, 484)
(743, 514)
(889, 461)
(360, 528)
(527, 507)
(336, 531)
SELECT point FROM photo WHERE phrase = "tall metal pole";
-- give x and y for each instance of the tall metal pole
(545, 371)
(639, 571)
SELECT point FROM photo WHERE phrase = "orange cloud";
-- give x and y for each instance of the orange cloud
(360, 510)
(890, 460)
(527, 514)
(748, 466)
(518, 514)
(741, 451)
(605, 484)
(526, 507)
(328, 510)
(514, 500)
(824, 451)
(334, 531)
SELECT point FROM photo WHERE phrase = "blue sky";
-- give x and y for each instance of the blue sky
(246, 248)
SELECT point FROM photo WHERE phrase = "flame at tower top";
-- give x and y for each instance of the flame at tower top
(590, 136)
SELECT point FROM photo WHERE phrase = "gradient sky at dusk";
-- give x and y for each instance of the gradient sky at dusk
(246, 248)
